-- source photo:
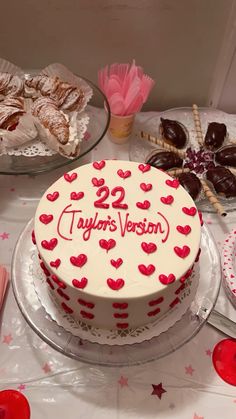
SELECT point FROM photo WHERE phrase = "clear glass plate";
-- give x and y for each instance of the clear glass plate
(97, 127)
(167, 342)
(140, 149)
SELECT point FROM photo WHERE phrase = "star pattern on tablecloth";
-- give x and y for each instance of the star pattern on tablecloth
(7, 339)
(158, 390)
(123, 381)
(189, 370)
(21, 387)
(46, 368)
(4, 235)
(195, 416)
(208, 352)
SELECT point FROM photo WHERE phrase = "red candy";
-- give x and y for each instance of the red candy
(224, 360)
(13, 405)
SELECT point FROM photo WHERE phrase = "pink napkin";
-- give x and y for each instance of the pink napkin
(4, 279)
(125, 86)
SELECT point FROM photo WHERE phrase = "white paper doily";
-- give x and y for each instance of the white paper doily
(102, 336)
(228, 260)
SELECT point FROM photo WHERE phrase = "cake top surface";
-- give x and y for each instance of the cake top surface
(117, 229)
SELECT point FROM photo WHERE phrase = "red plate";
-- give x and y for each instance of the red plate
(13, 405)
(224, 360)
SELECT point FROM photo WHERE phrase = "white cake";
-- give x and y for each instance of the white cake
(117, 240)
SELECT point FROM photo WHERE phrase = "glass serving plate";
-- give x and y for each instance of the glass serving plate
(98, 124)
(117, 355)
(140, 149)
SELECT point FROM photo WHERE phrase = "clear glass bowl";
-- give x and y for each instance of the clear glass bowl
(98, 124)
(117, 355)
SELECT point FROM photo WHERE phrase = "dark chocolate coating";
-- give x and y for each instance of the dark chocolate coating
(223, 181)
(173, 132)
(226, 156)
(165, 160)
(191, 183)
(215, 135)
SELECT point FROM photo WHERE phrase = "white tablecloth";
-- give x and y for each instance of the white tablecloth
(58, 387)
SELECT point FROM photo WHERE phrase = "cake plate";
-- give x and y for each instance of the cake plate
(117, 355)
(27, 164)
(140, 149)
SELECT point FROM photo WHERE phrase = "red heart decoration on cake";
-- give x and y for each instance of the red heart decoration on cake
(154, 302)
(123, 174)
(146, 186)
(116, 263)
(98, 182)
(148, 247)
(107, 244)
(49, 244)
(46, 218)
(87, 315)
(13, 405)
(115, 284)
(33, 237)
(56, 263)
(86, 303)
(144, 167)
(53, 196)
(184, 229)
(167, 199)
(79, 261)
(80, 283)
(182, 252)
(200, 217)
(120, 306)
(70, 178)
(172, 183)
(143, 205)
(154, 312)
(66, 308)
(99, 164)
(146, 270)
(189, 211)
(164, 279)
(75, 196)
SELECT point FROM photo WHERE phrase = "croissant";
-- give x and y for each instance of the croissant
(11, 84)
(66, 96)
(10, 111)
(46, 110)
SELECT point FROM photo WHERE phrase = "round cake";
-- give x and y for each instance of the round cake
(117, 241)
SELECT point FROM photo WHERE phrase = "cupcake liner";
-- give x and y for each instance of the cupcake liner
(59, 70)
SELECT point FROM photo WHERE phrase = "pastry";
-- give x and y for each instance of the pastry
(66, 96)
(117, 242)
(173, 132)
(11, 85)
(10, 111)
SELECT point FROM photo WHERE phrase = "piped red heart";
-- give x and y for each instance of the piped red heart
(182, 252)
(168, 200)
(184, 229)
(80, 283)
(46, 218)
(144, 167)
(70, 178)
(148, 247)
(99, 164)
(79, 261)
(13, 405)
(189, 211)
(173, 183)
(115, 284)
(75, 196)
(143, 205)
(165, 280)
(107, 244)
(56, 263)
(116, 263)
(49, 244)
(146, 186)
(123, 174)
(53, 196)
(98, 182)
(66, 308)
(146, 270)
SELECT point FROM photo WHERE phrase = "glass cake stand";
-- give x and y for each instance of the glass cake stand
(116, 355)
(140, 149)
(97, 127)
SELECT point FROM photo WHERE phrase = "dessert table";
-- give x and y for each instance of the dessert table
(181, 385)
